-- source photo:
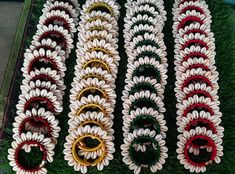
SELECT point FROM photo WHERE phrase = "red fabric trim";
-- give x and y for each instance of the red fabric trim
(198, 65)
(30, 142)
(45, 47)
(195, 105)
(40, 99)
(195, 41)
(58, 18)
(196, 92)
(42, 77)
(192, 7)
(46, 35)
(195, 121)
(195, 31)
(37, 118)
(189, 144)
(194, 54)
(189, 18)
(196, 77)
(54, 66)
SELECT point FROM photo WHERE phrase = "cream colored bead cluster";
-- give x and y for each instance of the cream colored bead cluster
(92, 98)
(198, 114)
(144, 125)
(42, 88)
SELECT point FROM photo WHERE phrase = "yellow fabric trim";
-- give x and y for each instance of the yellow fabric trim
(101, 5)
(89, 106)
(91, 88)
(103, 64)
(78, 143)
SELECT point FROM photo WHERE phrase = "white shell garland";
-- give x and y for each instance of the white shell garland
(42, 88)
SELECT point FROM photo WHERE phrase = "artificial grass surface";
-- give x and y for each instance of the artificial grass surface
(223, 27)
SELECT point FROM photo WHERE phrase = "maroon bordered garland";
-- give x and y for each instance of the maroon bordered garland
(42, 89)
(198, 114)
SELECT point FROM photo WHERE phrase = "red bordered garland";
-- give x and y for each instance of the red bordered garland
(198, 114)
(144, 125)
(43, 86)
(92, 95)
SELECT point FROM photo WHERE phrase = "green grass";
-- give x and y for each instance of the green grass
(223, 26)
